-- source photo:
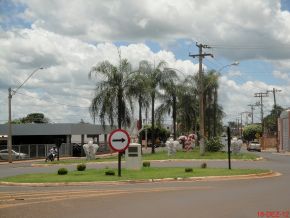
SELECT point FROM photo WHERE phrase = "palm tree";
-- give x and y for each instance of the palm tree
(211, 105)
(188, 105)
(112, 97)
(140, 89)
(156, 77)
(169, 98)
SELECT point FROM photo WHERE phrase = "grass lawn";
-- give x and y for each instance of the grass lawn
(91, 175)
(195, 155)
(163, 156)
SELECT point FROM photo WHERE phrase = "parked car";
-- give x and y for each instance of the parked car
(15, 155)
(254, 146)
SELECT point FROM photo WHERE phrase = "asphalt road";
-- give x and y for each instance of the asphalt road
(235, 198)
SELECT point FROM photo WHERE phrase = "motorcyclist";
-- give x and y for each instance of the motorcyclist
(52, 154)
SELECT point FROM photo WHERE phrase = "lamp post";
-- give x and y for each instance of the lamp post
(235, 63)
(228, 65)
(10, 94)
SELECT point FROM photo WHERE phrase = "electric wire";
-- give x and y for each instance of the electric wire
(58, 103)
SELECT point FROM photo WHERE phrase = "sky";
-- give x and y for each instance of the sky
(68, 37)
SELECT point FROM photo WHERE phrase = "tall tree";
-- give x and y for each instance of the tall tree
(168, 98)
(270, 121)
(140, 90)
(208, 101)
(188, 105)
(156, 77)
(112, 97)
(213, 110)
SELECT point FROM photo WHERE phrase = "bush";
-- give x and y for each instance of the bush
(252, 132)
(159, 132)
(203, 165)
(214, 145)
(146, 164)
(188, 170)
(110, 173)
(81, 167)
(62, 171)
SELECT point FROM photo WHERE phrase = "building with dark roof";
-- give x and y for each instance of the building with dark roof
(44, 135)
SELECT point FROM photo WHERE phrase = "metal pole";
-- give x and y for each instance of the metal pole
(201, 103)
(229, 147)
(119, 164)
(9, 142)
(201, 55)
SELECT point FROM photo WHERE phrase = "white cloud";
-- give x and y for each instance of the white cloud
(65, 78)
(281, 75)
(234, 74)
(244, 23)
(68, 37)
(235, 98)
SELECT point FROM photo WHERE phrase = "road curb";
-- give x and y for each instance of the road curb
(159, 161)
(192, 179)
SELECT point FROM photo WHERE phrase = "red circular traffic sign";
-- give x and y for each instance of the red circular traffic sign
(119, 140)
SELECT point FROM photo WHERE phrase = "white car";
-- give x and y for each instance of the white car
(15, 155)
(254, 146)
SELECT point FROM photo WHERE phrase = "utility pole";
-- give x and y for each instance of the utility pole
(276, 114)
(201, 55)
(261, 95)
(245, 112)
(274, 95)
(252, 111)
(10, 94)
(9, 139)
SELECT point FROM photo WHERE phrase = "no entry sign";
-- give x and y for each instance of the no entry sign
(119, 140)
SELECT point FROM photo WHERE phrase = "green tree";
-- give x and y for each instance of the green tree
(187, 106)
(112, 98)
(160, 133)
(270, 121)
(169, 98)
(140, 90)
(213, 111)
(252, 131)
(34, 118)
(156, 77)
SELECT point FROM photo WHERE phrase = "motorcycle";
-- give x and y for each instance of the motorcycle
(51, 156)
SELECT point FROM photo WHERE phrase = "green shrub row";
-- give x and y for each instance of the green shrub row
(64, 171)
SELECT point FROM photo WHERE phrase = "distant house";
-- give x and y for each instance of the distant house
(284, 131)
(36, 139)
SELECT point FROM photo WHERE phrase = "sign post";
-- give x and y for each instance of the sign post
(119, 141)
(229, 147)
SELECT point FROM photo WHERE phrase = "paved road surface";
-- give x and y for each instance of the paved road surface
(238, 198)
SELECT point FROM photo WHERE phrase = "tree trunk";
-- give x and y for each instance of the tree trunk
(215, 113)
(140, 118)
(174, 116)
(119, 109)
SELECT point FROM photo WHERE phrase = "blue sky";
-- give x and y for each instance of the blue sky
(69, 37)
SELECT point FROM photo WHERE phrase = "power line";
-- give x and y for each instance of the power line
(262, 47)
(261, 95)
(52, 101)
(200, 56)
(274, 95)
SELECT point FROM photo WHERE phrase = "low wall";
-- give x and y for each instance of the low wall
(268, 142)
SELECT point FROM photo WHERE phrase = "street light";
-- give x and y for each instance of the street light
(10, 94)
(228, 65)
(235, 63)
